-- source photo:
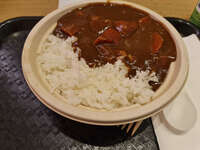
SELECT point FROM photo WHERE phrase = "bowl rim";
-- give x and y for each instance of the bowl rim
(108, 117)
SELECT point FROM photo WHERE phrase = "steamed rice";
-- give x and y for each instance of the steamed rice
(104, 87)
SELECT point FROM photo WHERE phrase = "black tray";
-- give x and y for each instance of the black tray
(26, 124)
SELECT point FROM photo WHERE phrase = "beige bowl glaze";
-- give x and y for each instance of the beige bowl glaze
(167, 92)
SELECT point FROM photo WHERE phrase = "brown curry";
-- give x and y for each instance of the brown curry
(107, 32)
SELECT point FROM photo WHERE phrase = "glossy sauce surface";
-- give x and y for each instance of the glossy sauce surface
(107, 32)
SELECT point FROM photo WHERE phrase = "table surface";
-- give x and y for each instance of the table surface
(15, 8)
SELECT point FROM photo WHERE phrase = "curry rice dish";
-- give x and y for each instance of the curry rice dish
(106, 56)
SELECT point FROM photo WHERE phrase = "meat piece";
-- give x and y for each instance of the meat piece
(110, 35)
(69, 29)
(97, 23)
(105, 53)
(157, 42)
(125, 28)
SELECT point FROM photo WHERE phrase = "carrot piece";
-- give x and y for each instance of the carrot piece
(157, 42)
(108, 36)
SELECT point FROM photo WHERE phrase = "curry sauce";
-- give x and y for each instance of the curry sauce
(107, 32)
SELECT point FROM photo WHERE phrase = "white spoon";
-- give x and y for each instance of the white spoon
(181, 114)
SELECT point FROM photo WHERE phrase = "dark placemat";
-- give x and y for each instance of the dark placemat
(26, 124)
(184, 27)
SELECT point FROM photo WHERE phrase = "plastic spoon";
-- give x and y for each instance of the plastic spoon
(182, 113)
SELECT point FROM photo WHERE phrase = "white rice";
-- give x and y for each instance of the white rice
(105, 87)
